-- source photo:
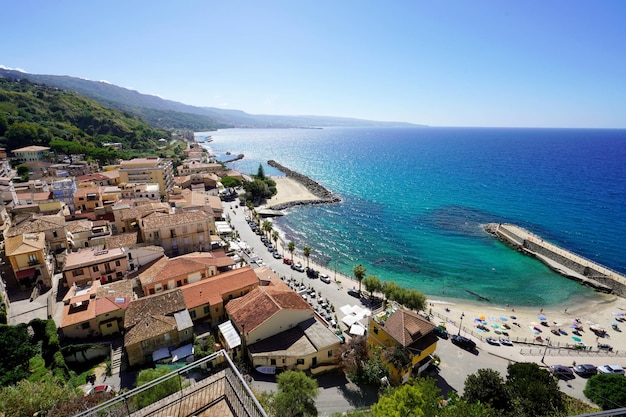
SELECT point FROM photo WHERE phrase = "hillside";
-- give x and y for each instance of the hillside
(171, 114)
(33, 114)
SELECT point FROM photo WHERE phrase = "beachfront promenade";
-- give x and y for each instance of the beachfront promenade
(561, 260)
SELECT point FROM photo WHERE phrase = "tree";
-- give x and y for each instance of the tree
(260, 174)
(160, 391)
(16, 352)
(353, 355)
(295, 395)
(21, 134)
(291, 247)
(359, 273)
(266, 227)
(275, 237)
(488, 387)
(606, 390)
(420, 398)
(456, 407)
(535, 391)
(414, 300)
(389, 290)
(372, 284)
(307, 253)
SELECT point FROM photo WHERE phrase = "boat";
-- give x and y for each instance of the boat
(267, 370)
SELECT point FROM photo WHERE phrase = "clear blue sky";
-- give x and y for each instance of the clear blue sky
(524, 63)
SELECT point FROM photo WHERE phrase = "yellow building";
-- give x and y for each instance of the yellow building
(407, 340)
(30, 259)
(148, 170)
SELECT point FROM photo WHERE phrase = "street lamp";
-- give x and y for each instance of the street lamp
(461, 324)
(546, 349)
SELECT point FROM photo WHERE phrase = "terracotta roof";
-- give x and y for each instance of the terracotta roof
(149, 327)
(91, 256)
(25, 243)
(109, 304)
(144, 210)
(122, 288)
(407, 327)
(211, 290)
(173, 220)
(183, 266)
(124, 240)
(78, 226)
(32, 148)
(147, 276)
(258, 306)
(38, 223)
(164, 304)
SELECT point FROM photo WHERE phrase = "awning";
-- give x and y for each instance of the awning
(231, 336)
(30, 272)
(160, 353)
(182, 352)
(357, 330)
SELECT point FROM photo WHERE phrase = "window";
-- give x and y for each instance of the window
(300, 361)
(119, 274)
(109, 325)
(95, 268)
(54, 233)
(376, 330)
(207, 309)
(77, 272)
(32, 259)
(192, 313)
(203, 275)
(84, 326)
(118, 263)
(273, 362)
(156, 235)
(330, 353)
(166, 337)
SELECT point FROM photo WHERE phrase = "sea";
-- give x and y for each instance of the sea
(414, 202)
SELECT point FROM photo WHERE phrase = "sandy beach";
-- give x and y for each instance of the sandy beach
(526, 326)
(289, 190)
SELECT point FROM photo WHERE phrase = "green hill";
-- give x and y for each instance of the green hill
(34, 114)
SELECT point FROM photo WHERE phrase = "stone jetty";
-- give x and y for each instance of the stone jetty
(324, 195)
(560, 260)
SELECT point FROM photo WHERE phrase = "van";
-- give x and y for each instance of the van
(463, 342)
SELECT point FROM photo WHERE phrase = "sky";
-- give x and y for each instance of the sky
(531, 63)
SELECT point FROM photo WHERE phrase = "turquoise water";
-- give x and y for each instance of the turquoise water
(414, 200)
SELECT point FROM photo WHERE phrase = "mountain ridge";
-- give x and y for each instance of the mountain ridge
(165, 113)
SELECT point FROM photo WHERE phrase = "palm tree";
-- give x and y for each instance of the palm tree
(359, 273)
(291, 247)
(275, 238)
(307, 253)
(267, 227)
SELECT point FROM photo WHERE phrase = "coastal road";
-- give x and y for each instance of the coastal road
(336, 393)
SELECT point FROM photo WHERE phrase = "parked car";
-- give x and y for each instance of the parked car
(311, 273)
(440, 332)
(561, 371)
(354, 293)
(297, 267)
(506, 342)
(585, 369)
(100, 389)
(611, 369)
(463, 342)
(277, 255)
(287, 261)
(325, 278)
(492, 341)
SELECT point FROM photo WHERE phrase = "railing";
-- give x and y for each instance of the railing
(198, 391)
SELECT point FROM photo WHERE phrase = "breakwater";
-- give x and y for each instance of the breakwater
(324, 195)
(560, 260)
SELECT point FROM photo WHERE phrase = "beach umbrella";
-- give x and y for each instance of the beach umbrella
(495, 325)
(573, 326)
(542, 318)
(503, 318)
(482, 317)
(618, 314)
(614, 323)
(576, 338)
(478, 319)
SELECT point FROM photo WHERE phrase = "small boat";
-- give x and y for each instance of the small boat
(267, 370)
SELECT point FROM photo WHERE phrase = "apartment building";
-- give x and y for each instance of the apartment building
(148, 170)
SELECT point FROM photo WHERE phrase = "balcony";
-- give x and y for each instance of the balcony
(203, 394)
(33, 262)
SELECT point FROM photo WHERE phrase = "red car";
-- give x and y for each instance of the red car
(287, 261)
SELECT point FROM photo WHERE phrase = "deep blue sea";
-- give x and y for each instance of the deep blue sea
(414, 200)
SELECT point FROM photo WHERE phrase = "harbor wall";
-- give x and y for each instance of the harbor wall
(561, 260)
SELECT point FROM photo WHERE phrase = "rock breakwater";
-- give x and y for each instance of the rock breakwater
(324, 195)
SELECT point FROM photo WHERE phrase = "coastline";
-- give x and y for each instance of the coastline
(598, 309)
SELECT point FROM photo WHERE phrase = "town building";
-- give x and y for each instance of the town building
(30, 258)
(148, 170)
(31, 153)
(94, 264)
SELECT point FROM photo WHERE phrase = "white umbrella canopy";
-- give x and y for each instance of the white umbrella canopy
(357, 330)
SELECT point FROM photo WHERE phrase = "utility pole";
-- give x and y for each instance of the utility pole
(546, 349)
(461, 324)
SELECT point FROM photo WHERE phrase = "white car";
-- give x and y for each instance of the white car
(611, 369)
(325, 278)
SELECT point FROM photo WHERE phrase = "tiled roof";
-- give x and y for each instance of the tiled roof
(173, 220)
(122, 288)
(109, 304)
(183, 266)
(124, 240)
(147, 276)
(407, 327)
(144, 210)
(25, 243)
(32, 148)
(164, 304)
(150, 326)
(258, 306)
(38, 223)
(78, 226)
(211, 290)
(91, 256)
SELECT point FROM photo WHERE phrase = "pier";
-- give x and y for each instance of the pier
(560, 260)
